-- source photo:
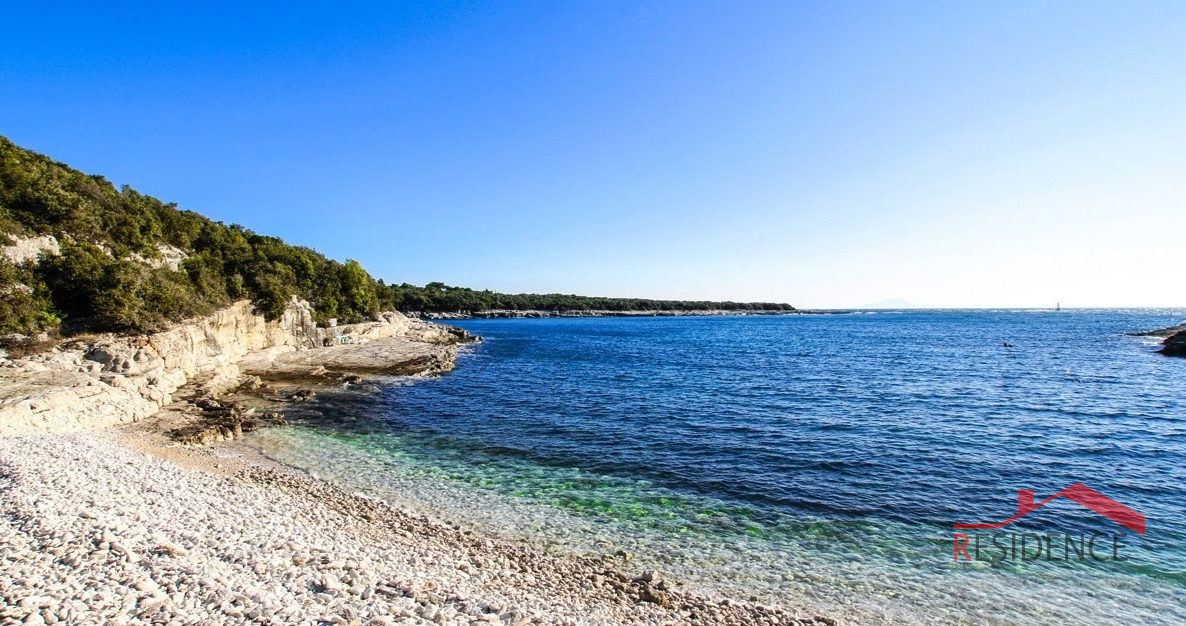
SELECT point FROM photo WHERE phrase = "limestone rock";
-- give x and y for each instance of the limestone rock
(24, 249)
(113, 380)
(170, 257)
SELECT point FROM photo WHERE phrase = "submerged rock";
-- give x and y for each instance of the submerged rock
(302, 395)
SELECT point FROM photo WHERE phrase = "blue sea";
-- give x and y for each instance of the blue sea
(816, 461)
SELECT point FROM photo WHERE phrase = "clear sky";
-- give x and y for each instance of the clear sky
(825, 154)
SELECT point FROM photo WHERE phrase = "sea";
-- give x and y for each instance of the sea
(818, 462)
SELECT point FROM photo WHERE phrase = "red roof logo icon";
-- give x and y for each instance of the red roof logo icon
(1079, 493)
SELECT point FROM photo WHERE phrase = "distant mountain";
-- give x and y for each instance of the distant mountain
(892, 303)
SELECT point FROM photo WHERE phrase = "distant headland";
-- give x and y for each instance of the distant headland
(78, 255)
(541, 313)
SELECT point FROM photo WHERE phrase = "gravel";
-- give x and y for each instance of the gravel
(94, 531)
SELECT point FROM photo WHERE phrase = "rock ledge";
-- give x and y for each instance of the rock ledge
(107, 380)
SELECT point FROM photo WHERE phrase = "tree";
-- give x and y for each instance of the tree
(359, 290)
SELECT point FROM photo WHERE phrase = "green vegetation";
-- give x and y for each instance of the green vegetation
(111, 274)
(441, 297)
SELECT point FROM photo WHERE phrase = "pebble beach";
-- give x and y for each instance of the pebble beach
(106, 528)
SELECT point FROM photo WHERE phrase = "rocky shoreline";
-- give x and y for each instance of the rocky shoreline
(1173, 339)
(114, 513)
(101, 381)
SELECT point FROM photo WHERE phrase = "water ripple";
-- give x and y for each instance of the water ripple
(787, 438)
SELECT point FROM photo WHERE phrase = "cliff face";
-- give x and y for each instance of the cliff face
(112, 380)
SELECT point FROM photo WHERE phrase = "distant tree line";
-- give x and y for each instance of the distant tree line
(439, 297)
(109, 275)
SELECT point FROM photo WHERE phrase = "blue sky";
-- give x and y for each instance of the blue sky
(825, 154)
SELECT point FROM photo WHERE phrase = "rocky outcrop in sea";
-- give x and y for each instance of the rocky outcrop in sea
(1173, 339)
(1175, 344)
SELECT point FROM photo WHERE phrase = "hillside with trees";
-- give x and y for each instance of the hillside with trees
(129, 263)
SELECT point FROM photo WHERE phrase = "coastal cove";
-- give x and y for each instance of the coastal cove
(813, 461)
(791, 469)
(700, 313)
(134, 332)
(91, 449)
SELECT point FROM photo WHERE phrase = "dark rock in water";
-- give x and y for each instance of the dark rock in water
(462, 336)
(302, 395)
(1173, 339)
(1175, 345)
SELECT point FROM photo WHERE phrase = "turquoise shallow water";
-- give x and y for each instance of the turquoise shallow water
(814, 460)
